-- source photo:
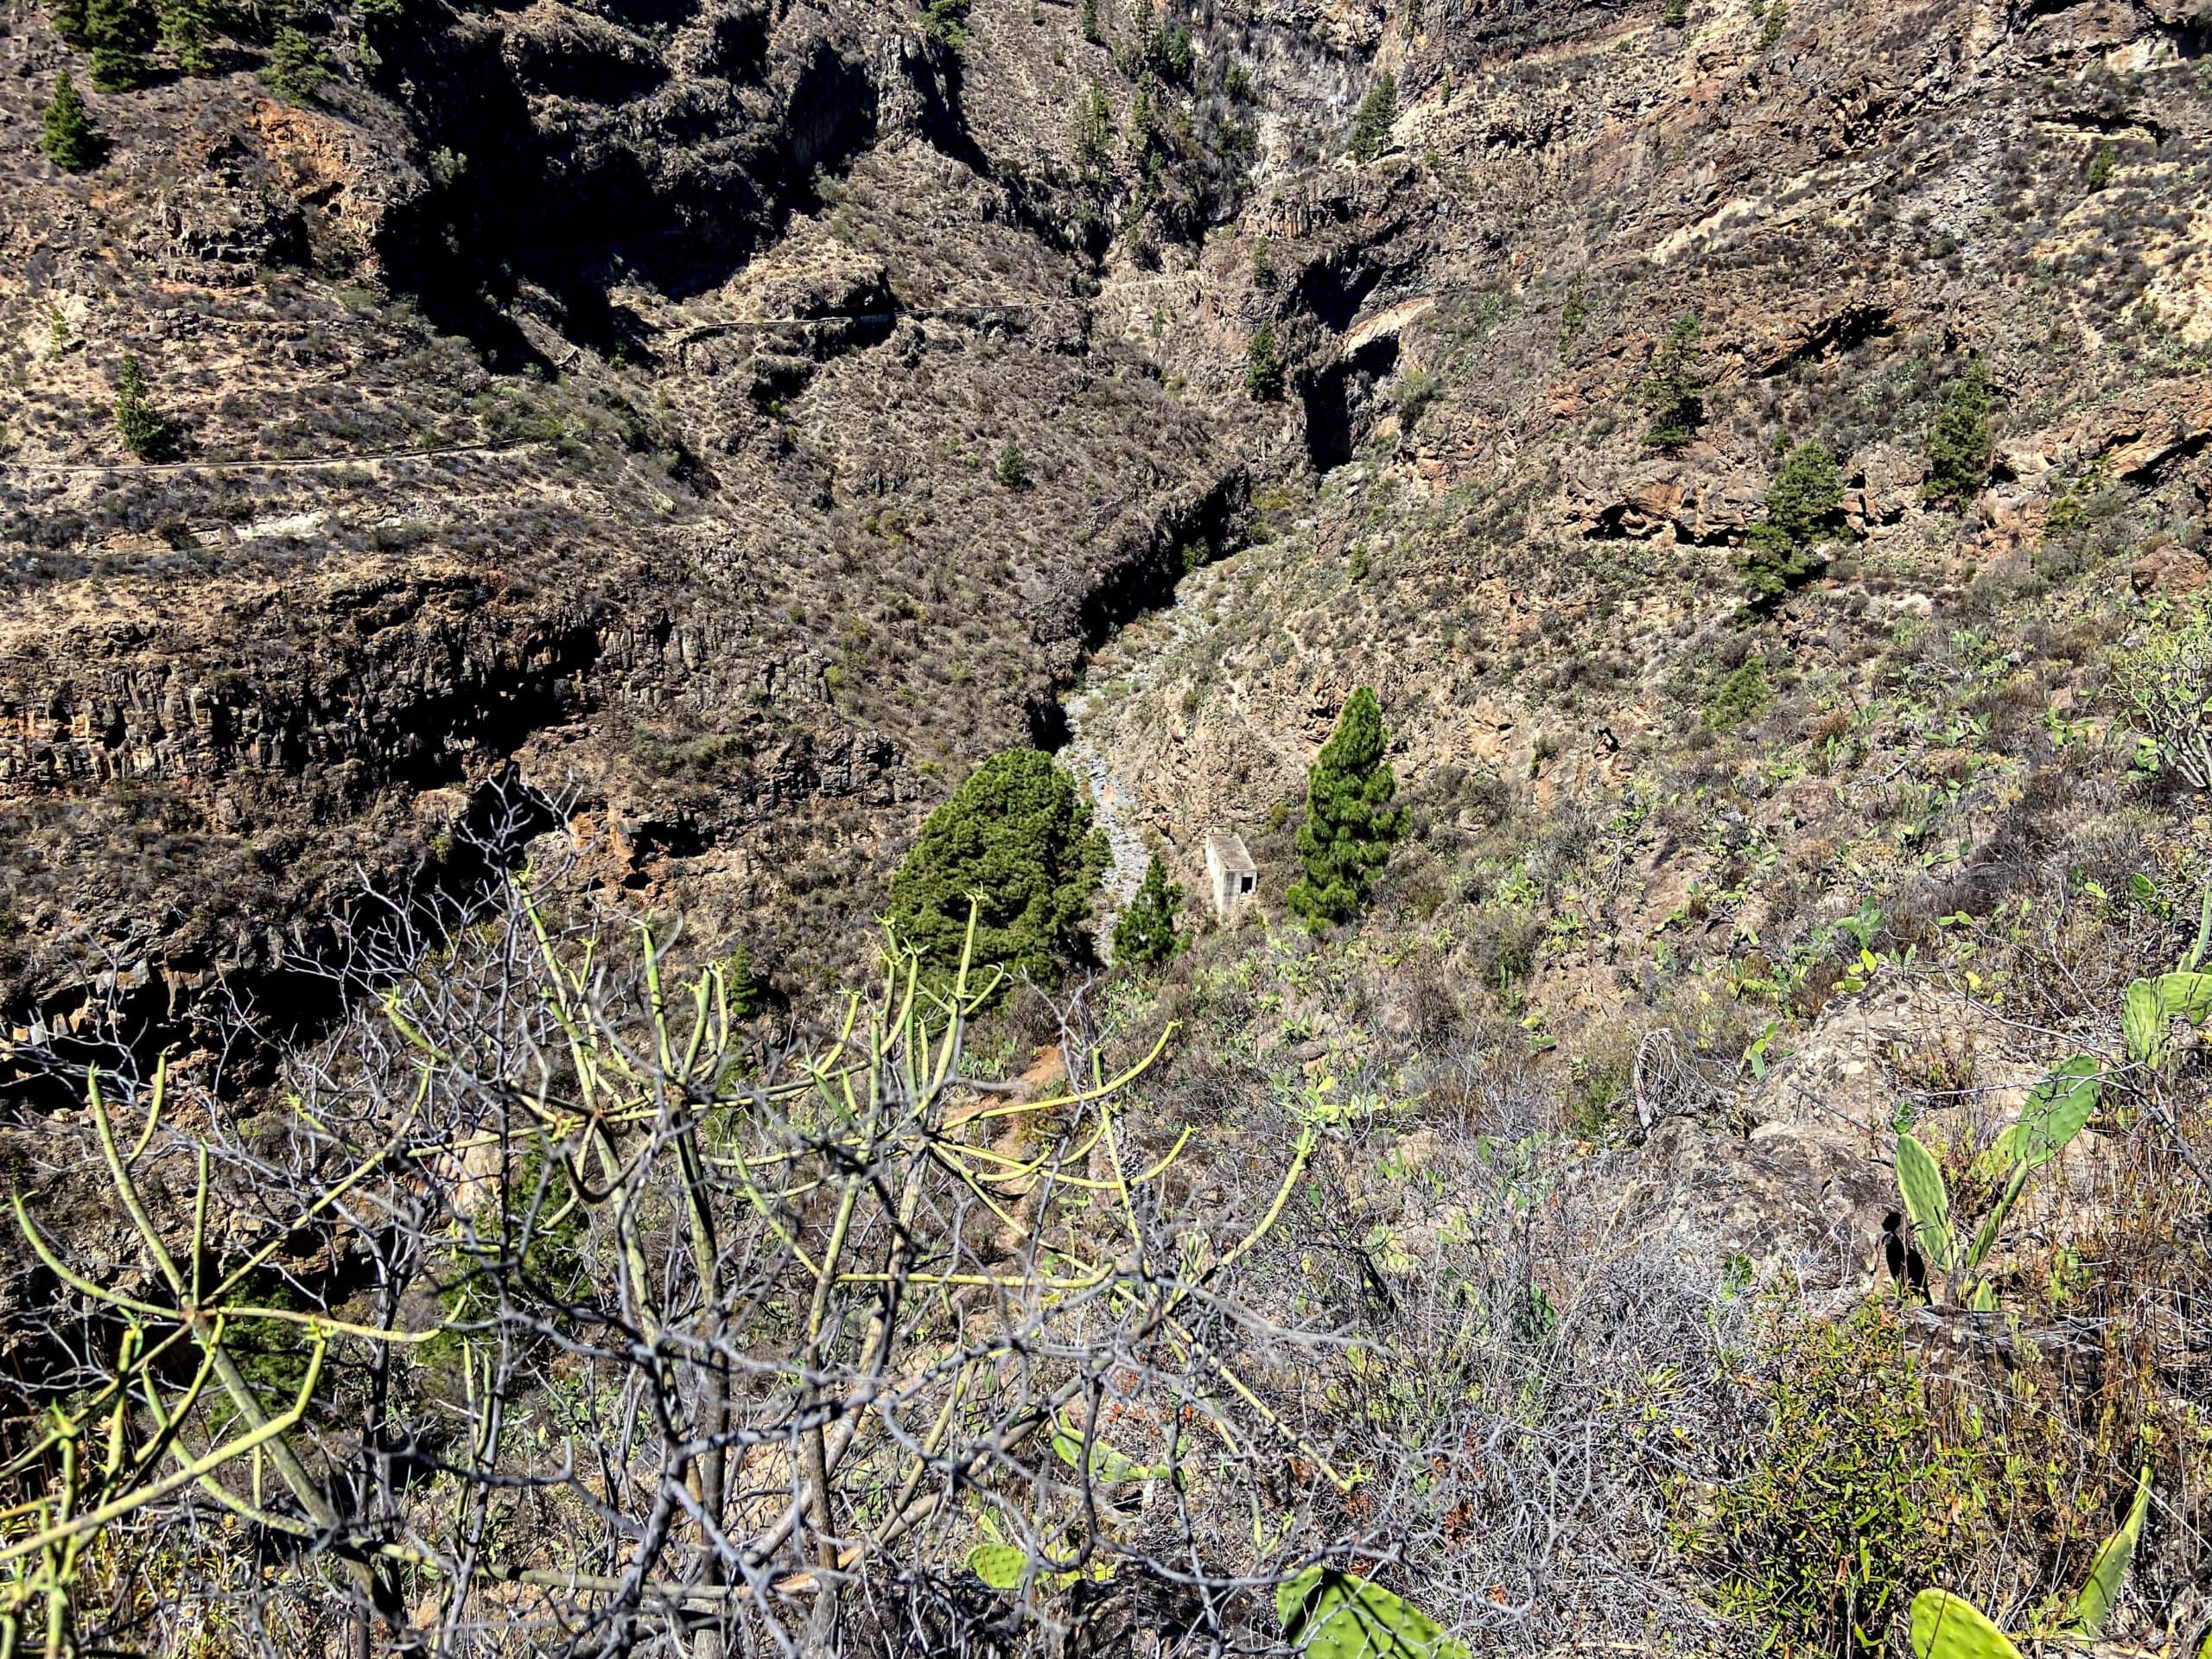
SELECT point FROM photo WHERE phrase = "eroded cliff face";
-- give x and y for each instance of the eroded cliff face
(1851, 205)
(611, 400)
(615, 397)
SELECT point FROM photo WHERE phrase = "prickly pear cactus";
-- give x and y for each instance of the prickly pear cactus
(1001, 1565)
(1108, 1466)
(2057, 1107)
(2143, 1023)
(2108, 1571)
(2186, 996)
(1920, 1183)
(1945, 1626)
(1332, 1615)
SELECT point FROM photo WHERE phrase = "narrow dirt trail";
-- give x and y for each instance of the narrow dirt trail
(271, 463)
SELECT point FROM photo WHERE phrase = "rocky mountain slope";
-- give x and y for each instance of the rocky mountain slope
(619, 398)
(620, 395)
(710, 426)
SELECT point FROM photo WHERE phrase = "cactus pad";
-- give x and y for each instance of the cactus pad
(1945, 1626)
(1921, 1184)
(1331, 1615)
(1001, 1565)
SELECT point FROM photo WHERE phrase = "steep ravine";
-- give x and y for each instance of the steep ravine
(1125, 797)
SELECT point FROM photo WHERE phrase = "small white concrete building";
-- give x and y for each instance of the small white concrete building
(1234, 877)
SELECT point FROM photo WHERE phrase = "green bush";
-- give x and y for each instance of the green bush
(1503, 942)
(1012, 469)
(1573, 315)
(1145, 932)
(70, 140)
(1743, 696)
(2102, 164)
(1850, 1501)
(2163, 685)
(946, 21)
(1018, 836)
(1263, 366)
(1371, 122)
(1351, 824)
(1785, 548)
(1960, 440)
(69, 20)
(531, 1239)
(1416, 389)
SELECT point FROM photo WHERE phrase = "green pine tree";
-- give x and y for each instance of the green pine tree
(1785, 548)
(1371, 125)
(296, 67)
(1673, 396)
(70, 140)
(946, 21)
(1263, 366)
(1013, 470)
(1169, 50)
(1146, 933)
(69, 21)
(1806, 492)
(1141, 129)
(1350, 823)
(1093, 127)
(1017, 835)
(145, 429)
(118, 33)
(188, 29)
(1093, 30)
(1960, 440)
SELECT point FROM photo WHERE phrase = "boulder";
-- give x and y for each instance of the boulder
(2168, 571)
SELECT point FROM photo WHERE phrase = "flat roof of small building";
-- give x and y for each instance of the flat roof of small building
(1228, 851)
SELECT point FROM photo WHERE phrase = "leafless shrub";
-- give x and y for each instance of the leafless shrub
(615, 1327)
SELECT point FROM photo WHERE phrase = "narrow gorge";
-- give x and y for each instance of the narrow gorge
(624, 623)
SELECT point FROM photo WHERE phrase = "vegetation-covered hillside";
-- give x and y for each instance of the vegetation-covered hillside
(628, 621)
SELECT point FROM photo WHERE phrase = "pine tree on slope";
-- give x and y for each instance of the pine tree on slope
(1146, 934)
(1350, 823)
